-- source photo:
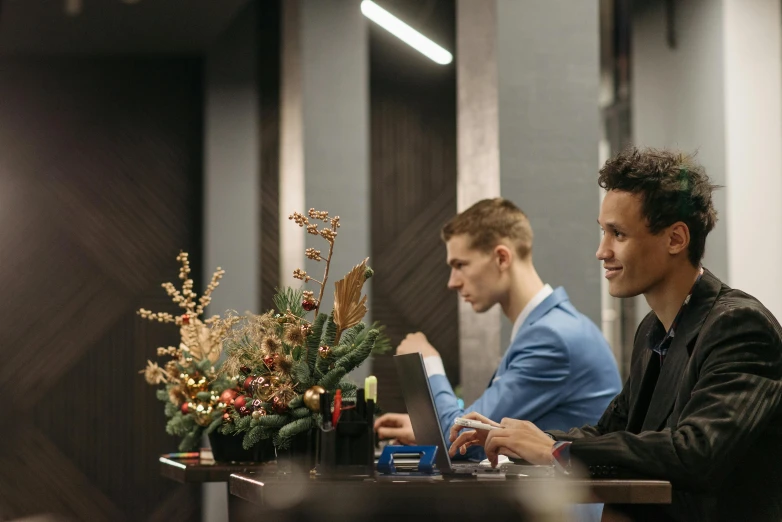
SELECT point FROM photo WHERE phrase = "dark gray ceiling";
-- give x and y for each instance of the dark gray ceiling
(43, 27)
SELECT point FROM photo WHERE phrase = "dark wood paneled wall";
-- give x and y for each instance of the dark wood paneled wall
(100, 187)
(413, 125)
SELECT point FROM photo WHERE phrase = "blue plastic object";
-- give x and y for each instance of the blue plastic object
(385, 464)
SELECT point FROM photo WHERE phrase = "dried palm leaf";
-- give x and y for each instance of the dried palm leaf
(349, 306)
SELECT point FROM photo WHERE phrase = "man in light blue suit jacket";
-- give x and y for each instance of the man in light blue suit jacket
(558, 371)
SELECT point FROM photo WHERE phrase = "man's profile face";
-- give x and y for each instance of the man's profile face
(634, 259)
(474, 274)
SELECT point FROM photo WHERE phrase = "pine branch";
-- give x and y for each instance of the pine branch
(273, 421)
(351, 334)
(190, 441)
(348, 389)
(180, 425)
(301, 372)
(383, 342)
(360, 354)
(215, 424)
(162, 395)
(313, 341)
(289, 299)
(330, 332)
(252, 437)
(296, 402)
(243, 424)
(300, 413)
(287, 432)
(330, 380)
(170, 409)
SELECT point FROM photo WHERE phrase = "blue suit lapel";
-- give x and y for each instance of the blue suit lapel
(556, 298)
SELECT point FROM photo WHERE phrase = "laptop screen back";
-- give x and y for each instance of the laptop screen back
(420, 406)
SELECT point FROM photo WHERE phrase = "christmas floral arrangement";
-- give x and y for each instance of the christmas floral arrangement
(191, 382)
(285, 359)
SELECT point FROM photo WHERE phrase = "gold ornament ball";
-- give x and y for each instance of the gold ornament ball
(312, 398)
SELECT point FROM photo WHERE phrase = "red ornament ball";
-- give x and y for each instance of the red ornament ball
(257, 404)
(226, 417)
(248, 382)
(308, 305)
(269, 362)
(245, 370)
(228, 395)
(240, 402)
(244, 411)
(279, 406)
(185, 319)
(185, 408)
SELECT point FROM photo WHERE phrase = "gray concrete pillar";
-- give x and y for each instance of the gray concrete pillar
(231, 185)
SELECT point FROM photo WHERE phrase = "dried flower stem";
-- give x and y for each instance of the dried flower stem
(325, 274)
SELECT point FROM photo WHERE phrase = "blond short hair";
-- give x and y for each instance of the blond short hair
(489, 221)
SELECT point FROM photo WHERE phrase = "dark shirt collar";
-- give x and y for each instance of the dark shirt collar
(660, 346)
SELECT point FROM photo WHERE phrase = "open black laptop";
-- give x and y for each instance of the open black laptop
(423, 414)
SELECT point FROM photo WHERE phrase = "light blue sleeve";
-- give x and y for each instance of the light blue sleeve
(533, 384)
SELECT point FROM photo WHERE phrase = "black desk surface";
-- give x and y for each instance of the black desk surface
(259, 487)
(195, 470)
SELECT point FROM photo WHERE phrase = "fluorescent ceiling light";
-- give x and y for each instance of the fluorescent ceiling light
(404, 32)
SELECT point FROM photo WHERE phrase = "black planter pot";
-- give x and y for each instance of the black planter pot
(300, 456)
(228, 448)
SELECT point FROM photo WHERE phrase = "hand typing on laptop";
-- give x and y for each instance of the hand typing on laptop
(517, 439)
(395, 426)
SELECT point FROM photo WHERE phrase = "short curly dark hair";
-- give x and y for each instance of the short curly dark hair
(672, 186)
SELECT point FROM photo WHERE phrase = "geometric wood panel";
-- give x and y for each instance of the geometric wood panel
(413, 126)
(100, 187)
(270, 19)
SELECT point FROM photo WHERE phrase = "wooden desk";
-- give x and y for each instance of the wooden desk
(305, 498)
(207, 470)
(199, 471)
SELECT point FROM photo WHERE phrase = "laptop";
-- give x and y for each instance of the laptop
(423, 415)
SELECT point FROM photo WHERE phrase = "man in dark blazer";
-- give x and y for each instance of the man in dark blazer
(702, 406)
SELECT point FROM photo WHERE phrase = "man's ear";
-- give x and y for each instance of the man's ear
(503, 256)
(678, 238)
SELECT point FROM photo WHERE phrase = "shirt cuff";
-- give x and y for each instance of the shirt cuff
(434, 366)
(561, 455)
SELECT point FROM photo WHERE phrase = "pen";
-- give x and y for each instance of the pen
(361, 404)
(370, 393)
(185, 455)
(325, 410)
(337, 407)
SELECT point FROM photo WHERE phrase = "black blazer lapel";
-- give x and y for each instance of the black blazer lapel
(701, 303)
(665, 391)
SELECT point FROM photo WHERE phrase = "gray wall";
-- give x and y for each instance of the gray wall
(678, 99)
(232, 165)
(548, 74)
(335, 112)
(678, 95)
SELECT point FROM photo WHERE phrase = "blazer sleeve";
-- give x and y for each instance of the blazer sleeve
(618, 411)
(534, 382)
(736, 395)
